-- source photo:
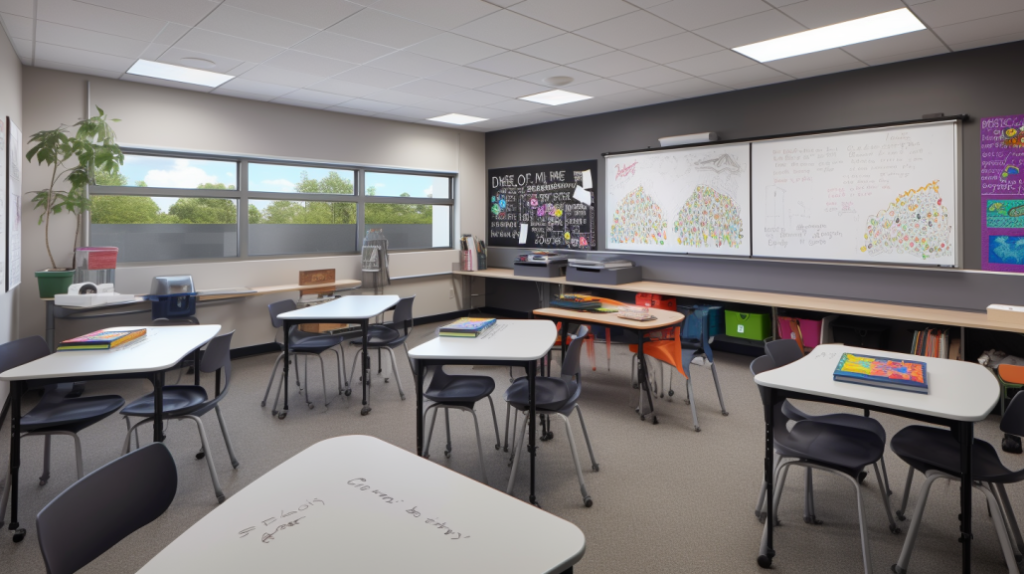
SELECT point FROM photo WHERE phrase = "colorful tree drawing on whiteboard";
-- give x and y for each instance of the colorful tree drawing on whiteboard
(709, 219)
(638, 219)
(915, 223)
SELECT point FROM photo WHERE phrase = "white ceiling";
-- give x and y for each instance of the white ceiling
(408, 60)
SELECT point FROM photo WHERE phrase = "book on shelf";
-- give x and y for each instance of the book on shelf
(466, 327)
(932, 342)
(468, 257)
(101, 340)
(882, 372)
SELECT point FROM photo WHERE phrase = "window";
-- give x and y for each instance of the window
(191, 208)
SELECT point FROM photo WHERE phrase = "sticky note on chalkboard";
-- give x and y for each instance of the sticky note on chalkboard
(581, 195)
(524, 228)
(588, 180)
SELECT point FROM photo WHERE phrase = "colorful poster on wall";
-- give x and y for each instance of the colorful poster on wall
(1002, 193)
(12, 155)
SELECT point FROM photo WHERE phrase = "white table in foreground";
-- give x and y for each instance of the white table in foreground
(358, 504)
(508, 343)
(959, 394)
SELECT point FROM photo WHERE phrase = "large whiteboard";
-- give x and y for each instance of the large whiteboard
(686, 200)
(886, 195)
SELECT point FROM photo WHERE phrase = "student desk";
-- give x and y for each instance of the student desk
(349, 309)
(662, 318)
(960, 393)
(149, 357)
(358, 504)
(508, 343)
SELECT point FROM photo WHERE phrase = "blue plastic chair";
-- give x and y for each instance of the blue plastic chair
(696, 343)
(100, 510)
(306, 344)
(459, 392)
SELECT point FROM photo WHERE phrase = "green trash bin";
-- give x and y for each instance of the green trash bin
(748, 325)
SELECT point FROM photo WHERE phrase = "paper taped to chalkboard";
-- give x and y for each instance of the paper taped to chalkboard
(524, 228)
(581, 195)
(588, 180)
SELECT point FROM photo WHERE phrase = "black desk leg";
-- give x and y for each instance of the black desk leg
(767, 551)
(365, 324)
(966, 442)
(531, 376)
(195, 364)
(645, 386)
(19, 533)
(419, 407)
(284, 371)
(158, 406)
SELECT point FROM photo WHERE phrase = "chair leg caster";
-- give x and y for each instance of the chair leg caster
(221, 498)
(813, 520)
(1012, 444)
(348, 392)
(364, 411)
(281, 415)
(725, 413)
(595, 468)
(234, 465)
(671, 393)
(696, 428)
(764, 561)
(894, 529)
(447, 454)
(19, 535)
(900, 515)
(861, 477)
(497, 446)
(588, 502)
(200, 455)
(897, 570)
(263, 403)
(42, 482)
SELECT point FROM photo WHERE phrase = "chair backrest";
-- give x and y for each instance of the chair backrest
(278, 307)
(783, 351)
(105, 506)
(218, 356)
(1013, 418)
(571, 363)
(402, 317)
(25, 350)
(761, 364)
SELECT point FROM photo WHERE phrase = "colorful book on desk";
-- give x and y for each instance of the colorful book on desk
(105, 339)
(577, 302)
(466, 327)
(883, 373)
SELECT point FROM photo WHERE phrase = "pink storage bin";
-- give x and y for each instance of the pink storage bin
(810, 329)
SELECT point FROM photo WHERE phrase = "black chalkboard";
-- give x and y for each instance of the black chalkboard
(560, 212)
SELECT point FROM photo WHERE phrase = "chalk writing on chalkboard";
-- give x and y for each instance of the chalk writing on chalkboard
(285, 520)
(441, 526)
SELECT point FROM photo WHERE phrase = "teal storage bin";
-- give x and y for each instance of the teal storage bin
(746, 325)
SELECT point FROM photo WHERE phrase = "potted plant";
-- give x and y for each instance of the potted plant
(76, 154)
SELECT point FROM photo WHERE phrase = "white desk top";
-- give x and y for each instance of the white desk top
(160, 349)
(957, 390)
(351, 307)
(507, 339)
(358, 504)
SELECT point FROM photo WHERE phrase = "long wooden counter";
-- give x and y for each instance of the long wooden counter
(930, 315)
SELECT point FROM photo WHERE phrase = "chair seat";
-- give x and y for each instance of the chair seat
(841, 419)
(461, 389)
(381, 336)
(178, 400)
(551, 394)
(70, 414)
(930, 448)
(844, 449)
(313, 343)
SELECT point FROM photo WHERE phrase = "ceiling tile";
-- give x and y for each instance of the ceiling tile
(757, 75)
(353, 111)
(23, 8)
(343, 88)
(429, 88)
(368, 105)
(577, 76)
(81, 15)
(630, 30)
(24, 50)
(897, 48)
(318, 14)
(638, 98)
(443, 106)
(287, 100)
(342, 48)
(467, 77)
(476, 98)
(674, 48)
(455, 49)
(188, 12)
(199, 40)
(80, 69)
(982, 29)
(487, 112)
(712, 63)
(694, 14)
(442, 14)
(690, 88)
(504, 3)
(565, 49)
(573, 14)
(512, 88)
(508, 30)
(647, 3)
(375, 77)
(180, 57)
(413, 112)
(939, 13)
(312, 98)
(651, 77)
(818, 13)
(511, 64)
(18, 26)
(249, 89)
(308, 63)
(171, 33)
(751, 29)
(780, 3)
(412, 64)
(69, 37)
(602, 87)
(256, 27)
(989, 41)
(380, 28)
(396, 97)
(285, 77)
(242, 68)
(817, 64)
(613, 64)
(518, 106)
(77, 57)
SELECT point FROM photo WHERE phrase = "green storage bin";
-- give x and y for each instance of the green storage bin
(744, 325)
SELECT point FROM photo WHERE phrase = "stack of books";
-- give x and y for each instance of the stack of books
(101, 340)
(883, 373)
(931, 343)
(466, 327)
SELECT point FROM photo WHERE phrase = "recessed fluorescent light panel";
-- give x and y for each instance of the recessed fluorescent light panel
(555, 98)
(181, 74)
(875, 27)
(457, 119)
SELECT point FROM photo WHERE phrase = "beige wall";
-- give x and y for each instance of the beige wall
(165, 118)
(10, 104)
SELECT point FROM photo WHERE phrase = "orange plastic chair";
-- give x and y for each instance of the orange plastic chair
(590, 338)
(1010, 377)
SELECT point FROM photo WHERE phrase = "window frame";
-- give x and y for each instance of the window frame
(242, 195)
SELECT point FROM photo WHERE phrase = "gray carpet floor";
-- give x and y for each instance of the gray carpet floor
(666, 498)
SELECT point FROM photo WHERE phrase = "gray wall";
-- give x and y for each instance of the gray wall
(972, 82)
